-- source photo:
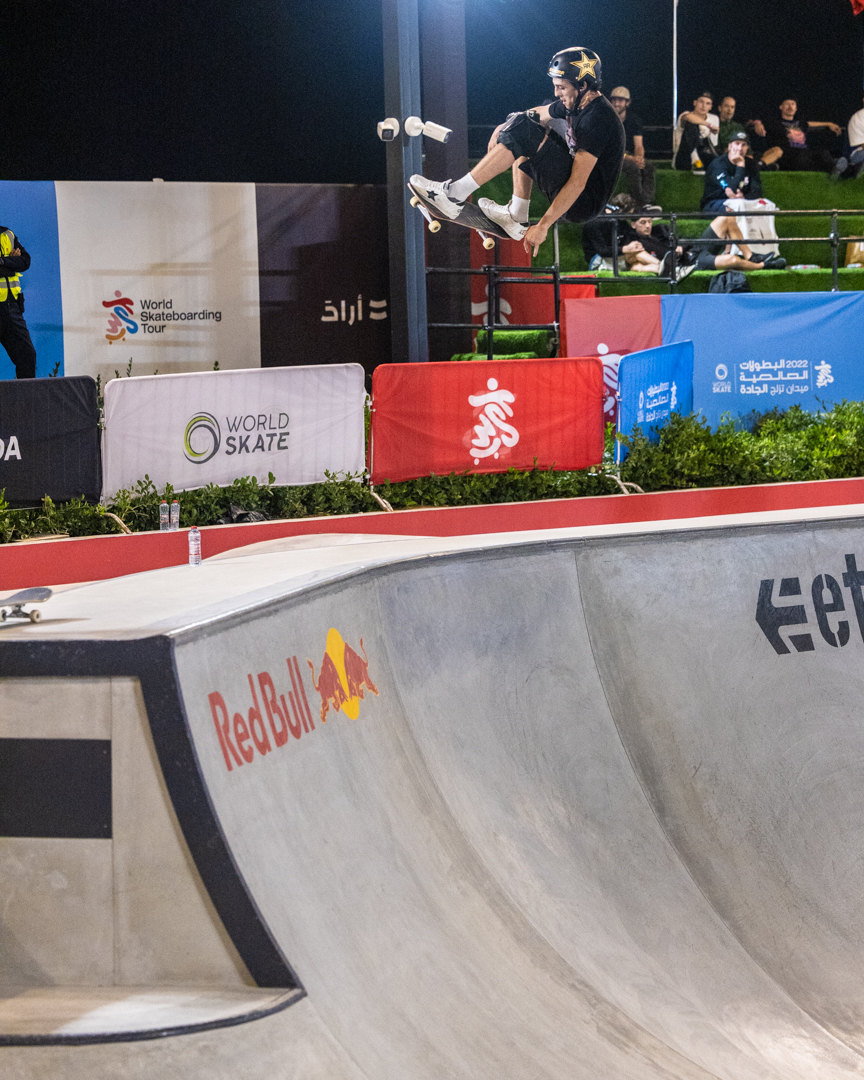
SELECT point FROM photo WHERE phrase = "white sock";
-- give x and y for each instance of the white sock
(461, 189)
(518, 208)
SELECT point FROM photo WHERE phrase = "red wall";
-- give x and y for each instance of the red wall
(58, 562)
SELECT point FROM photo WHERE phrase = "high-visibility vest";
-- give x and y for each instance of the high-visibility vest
(13, 282)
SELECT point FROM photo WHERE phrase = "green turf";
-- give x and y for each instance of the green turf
(678, 192)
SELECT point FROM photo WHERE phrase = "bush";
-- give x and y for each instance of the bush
(769, 448)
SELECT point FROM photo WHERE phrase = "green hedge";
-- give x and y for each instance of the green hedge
(773, 447)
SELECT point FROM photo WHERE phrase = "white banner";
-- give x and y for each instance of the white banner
(162, 274)
(215, 427)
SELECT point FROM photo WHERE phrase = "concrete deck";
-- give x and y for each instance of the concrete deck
(560, 808)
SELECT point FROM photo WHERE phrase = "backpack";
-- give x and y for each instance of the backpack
(729, 281)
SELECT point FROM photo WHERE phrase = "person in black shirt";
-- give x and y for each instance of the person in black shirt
(792, 135)
(638, 171)
(731, 176)
(572, 148)
(14, 335)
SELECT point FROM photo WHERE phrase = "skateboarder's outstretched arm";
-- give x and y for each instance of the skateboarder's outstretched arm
(583, 163)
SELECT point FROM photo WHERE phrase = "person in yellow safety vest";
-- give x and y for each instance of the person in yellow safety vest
(14, 335)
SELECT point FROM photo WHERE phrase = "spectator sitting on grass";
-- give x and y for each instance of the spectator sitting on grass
(855, 133)
(733, 175)
(695, 137)
(718, 256)
(639, 251)
(638, 171)
(792, 135)
(730, 124)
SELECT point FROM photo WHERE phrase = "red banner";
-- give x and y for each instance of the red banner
(610, 328)
(519, 304)
(485, 417)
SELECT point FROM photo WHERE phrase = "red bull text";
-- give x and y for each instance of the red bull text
(341, 681)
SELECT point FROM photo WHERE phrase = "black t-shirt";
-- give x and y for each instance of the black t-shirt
(787, 134)
(632, 127)
(597, 129)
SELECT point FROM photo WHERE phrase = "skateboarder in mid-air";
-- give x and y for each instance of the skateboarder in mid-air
(573, 148)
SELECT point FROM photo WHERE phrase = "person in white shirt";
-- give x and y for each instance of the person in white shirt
(696, 135)
(855, 132)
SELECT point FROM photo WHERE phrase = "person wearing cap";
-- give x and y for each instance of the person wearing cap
(571, 148)
(732, 175)
(639, 172)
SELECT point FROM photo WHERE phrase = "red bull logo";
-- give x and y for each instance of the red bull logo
(268, 721)
(343, 676)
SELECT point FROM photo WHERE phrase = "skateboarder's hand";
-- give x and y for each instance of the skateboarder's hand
(534, 237)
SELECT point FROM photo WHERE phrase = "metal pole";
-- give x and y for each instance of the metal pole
(835, 245)
(409, 336)
(674, 65)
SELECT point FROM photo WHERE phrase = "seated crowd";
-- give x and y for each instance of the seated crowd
(645, 247)
(785, 139)
(730, 154)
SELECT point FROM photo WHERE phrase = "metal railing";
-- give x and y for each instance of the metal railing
(496, 275)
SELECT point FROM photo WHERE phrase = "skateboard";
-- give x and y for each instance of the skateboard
(26, 596)
(471, 217)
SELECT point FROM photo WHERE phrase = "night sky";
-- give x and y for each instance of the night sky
(290, 91)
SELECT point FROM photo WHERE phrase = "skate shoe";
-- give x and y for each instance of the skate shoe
(435, 191)
(501, 216)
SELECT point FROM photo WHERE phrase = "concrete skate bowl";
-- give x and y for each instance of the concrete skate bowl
(570, 807)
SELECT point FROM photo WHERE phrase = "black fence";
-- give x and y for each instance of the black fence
(497, 275)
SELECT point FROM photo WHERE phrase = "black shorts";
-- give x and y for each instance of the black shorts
(549, 165)
(707, 255)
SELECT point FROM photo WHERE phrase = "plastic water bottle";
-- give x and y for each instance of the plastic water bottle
(194, 547)
(163, 516)
(175, 516)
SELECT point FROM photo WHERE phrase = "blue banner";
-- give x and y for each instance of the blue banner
(29, 209)
(755, 352)
(652, 384)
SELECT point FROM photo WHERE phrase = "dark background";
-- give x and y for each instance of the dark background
(290, 91)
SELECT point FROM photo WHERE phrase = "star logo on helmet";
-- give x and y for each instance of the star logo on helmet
(586, 67)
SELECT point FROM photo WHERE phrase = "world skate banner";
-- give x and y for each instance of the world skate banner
(610, 327)
(651, 386)
(754, 352)
(190, 430)
(486, 417)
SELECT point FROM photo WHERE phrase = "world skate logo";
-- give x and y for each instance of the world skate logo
(120, 320)
(202, 438)
(493, 432)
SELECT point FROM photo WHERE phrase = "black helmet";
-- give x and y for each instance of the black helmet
(577, 65)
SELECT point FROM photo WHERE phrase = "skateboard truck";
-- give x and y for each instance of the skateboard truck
(434, 226)
(15, 602)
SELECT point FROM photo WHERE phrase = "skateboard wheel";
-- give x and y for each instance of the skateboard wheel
(488, 243)
(35, 615)
(415, 202)
(3, 615)
(434, 226)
